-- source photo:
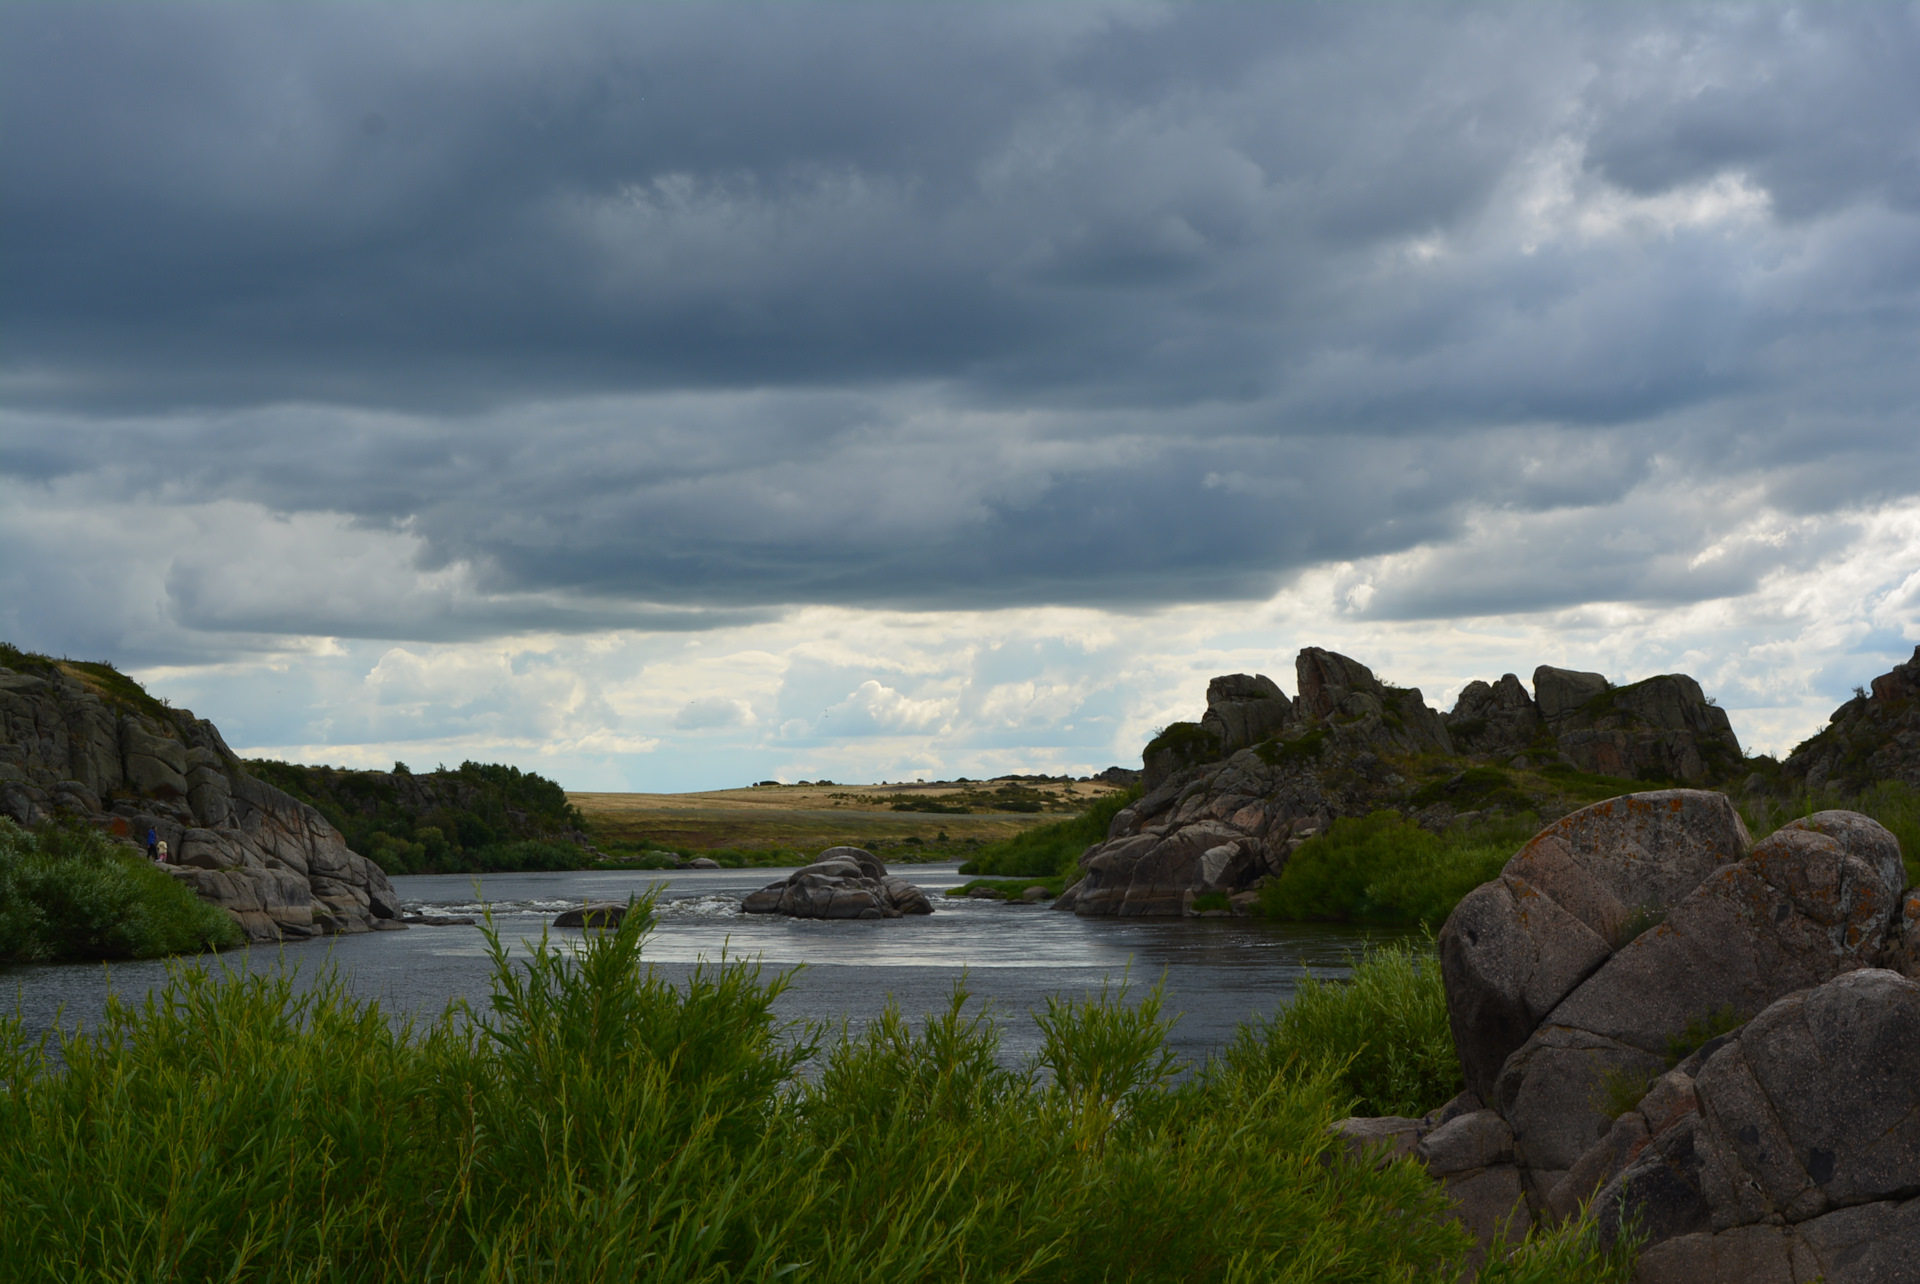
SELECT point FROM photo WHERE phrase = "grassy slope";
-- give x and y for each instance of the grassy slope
(596, 1123)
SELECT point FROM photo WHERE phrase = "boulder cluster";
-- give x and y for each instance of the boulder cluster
(72, 745)
(1228, 799)
(1714, 1042)
(844, 882)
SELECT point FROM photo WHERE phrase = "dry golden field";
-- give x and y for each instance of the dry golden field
(810, 817)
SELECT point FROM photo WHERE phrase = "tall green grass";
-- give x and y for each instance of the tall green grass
(593, 1122)
(73, 893)
(1384, 868)
(1051, 850)
(1895, 805)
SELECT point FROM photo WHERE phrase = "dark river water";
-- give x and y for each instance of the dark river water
(1218, 972)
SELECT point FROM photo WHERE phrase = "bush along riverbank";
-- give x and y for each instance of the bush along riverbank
(1047, 857)
(68, 893)
(594, 1122)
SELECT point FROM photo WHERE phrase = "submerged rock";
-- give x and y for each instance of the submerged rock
(845, 882)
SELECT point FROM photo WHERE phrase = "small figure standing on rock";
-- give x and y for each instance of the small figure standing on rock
(153, 844)
(161, 854)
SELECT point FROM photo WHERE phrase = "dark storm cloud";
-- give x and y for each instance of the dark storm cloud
(627, 309)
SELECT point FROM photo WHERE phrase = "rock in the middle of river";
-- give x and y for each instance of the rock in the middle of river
(845, 882)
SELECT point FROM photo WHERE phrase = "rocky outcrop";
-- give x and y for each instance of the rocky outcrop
(1230, 797)
(1661, 728)
(1495, 721)
(1873, 737)
(844, 882)
(1242, 709)
(82, 741)
(1626, 933)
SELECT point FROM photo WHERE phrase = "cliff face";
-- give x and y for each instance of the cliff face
(84, 742)
(1870, 738)
(1230, 797)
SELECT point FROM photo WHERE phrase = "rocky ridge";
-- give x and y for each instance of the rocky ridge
(1230, 797)
(1871, 738)
(83, 742)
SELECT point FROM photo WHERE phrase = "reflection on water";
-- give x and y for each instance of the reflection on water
(1218, 972)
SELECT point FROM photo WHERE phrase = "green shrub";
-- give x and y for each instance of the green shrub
(1190, 741)
(1384, 868)
(1011, 888)
(1464, 788)
(73, 893)
(1051, 850)
(1702, 1030)
(473, 820)
(1381, 1036)
(1568, 1252)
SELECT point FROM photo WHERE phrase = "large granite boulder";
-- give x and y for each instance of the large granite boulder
(1244, 709)
(1560, 692)
(844, 882)
(1514, 948)
(1338, 691)
(1800, 1157)
(1627, 933)
(600, 914)
(1803, 907)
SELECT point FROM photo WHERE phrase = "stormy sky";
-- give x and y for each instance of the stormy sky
(668, 396)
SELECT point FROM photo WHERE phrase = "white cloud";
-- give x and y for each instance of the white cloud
(855, 694)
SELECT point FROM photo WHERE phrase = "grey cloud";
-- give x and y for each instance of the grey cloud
(1814, 101)
(655, 317)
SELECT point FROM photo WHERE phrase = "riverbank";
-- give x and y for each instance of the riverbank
(595, 1121)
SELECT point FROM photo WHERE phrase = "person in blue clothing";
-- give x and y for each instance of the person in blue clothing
(153, 844)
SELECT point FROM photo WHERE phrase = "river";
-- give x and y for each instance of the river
(1218, 972)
